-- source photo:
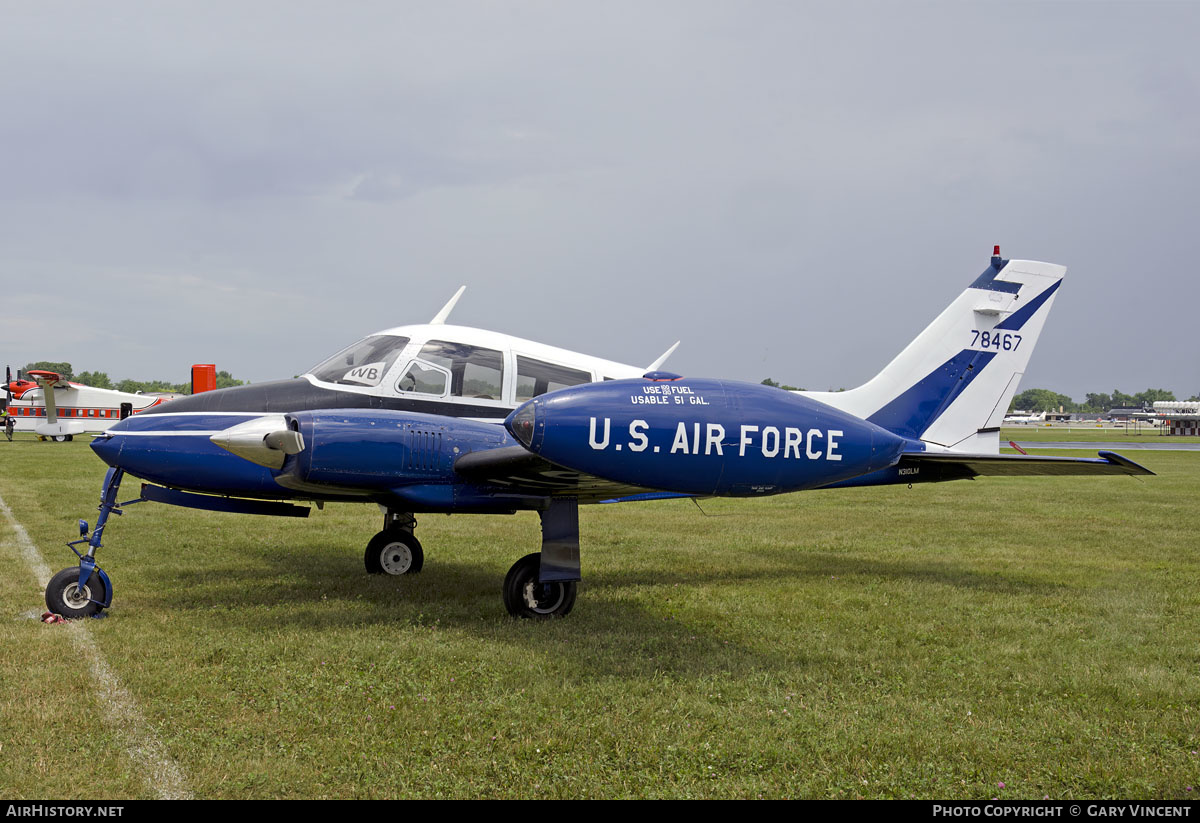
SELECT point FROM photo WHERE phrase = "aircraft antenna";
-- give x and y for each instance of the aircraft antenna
(703, 512)
(440, 317)
(663, 357)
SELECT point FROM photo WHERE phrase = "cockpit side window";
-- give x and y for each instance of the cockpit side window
(424, 378)
(474, 371)
(535, 377)
(363, 364)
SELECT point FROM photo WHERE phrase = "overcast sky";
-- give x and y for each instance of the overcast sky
(793, 189)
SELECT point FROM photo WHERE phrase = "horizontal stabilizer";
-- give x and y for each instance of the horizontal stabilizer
(1011, 465)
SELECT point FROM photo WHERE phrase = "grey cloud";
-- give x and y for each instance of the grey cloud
(793, 189)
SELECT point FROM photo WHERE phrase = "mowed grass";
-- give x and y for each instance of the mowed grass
(928, 642)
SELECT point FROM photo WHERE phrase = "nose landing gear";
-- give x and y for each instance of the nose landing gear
(85, 590)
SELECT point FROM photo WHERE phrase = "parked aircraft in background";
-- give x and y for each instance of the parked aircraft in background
(1025, 418)
(408, 419)
(57, 409)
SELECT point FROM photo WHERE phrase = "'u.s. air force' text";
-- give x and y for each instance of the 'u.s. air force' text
(789, 442)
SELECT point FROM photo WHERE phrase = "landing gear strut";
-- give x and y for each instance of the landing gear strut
(544, 585)
(395, 550)
(85, 590)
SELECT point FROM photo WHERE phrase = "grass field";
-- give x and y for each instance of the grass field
(937, 641)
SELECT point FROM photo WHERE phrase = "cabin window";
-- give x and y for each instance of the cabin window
(363, 364)
(474, 371)
(424, 378)
(535, 377)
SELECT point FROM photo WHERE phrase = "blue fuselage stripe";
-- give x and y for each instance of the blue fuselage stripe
(1019, 318)
(914, 411)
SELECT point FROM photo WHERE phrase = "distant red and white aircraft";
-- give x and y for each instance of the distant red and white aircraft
(57, 409)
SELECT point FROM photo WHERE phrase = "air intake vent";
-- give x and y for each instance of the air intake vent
(424, 450)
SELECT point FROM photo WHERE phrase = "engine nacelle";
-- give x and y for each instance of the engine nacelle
(700, 436)
(383, 449)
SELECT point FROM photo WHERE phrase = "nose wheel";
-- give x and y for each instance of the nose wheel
(65, 596)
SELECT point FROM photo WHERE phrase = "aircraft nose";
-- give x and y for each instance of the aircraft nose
(523, 423)
(108, 449)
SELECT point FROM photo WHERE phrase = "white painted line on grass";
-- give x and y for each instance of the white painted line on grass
(142, 745)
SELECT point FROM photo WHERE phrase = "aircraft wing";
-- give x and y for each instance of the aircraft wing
(523, 472)
(48, 379)
(974, 465)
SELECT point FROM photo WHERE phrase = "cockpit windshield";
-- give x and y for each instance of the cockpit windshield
(363, 364)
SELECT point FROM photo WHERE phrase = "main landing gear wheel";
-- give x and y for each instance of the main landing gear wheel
(63, 595)
(394, 551)
(63, 438)
(524, 596)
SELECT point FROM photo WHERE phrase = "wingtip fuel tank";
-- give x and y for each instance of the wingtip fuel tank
(701, 436)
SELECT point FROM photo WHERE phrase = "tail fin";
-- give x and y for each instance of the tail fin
(953, 384)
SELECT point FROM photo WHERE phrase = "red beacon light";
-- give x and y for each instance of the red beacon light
(996, 260)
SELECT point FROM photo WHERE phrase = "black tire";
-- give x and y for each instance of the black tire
(60, 438)
(525, 597)
(63, 595)
(394, 551)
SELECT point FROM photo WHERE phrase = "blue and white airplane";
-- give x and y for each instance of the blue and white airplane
(408, 419)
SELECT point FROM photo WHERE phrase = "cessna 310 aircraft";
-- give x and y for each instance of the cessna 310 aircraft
(408, 419)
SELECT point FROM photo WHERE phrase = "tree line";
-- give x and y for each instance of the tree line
(1042, 400)
(101, 380)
